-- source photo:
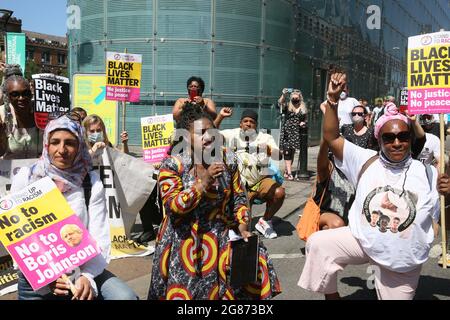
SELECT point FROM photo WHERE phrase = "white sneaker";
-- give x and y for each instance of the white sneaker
(266, 228)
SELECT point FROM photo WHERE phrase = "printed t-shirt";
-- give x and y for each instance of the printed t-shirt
(392, 224)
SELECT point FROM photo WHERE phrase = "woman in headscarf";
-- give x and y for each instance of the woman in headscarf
(65, 159)
(398, 254)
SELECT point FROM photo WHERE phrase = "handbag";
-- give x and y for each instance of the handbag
(309, 220)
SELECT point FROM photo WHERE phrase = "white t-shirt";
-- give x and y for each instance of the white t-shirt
(401, 232)
(376, 112)
(432, 148)
(345, 107)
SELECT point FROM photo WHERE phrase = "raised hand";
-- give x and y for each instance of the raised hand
(337, 83)
(411, 117)
(226, 112)
(124, 137)
(443, 184)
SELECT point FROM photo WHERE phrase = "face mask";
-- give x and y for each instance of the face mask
(295, 101)
(95, 137)
(357, 119)
(343, 95)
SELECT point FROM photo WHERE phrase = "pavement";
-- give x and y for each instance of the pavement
(287, 253)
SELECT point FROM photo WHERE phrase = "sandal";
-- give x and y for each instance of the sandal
(290, 177)
(286, 175)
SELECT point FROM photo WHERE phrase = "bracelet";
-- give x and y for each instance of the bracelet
(332, 104)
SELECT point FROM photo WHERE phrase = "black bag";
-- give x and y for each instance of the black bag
(244, 261)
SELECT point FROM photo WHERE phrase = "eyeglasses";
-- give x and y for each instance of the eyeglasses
(389, 137)
(24, 94)
(358, 114)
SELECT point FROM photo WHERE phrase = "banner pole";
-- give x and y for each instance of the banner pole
(442, 198)
(124, 107)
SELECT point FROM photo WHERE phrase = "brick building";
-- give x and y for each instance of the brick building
(49, 53)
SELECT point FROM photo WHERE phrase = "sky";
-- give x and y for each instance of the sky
(44, 16)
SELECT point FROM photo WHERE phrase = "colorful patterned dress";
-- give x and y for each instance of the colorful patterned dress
(191, 259)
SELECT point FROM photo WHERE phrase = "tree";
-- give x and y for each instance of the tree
(31, 68)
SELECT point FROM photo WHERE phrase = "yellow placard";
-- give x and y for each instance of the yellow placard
(429, 67)
(156, 134)
(89, 92)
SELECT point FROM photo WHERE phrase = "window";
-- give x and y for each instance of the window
(45, 57)
(30, 54)
(61, 58)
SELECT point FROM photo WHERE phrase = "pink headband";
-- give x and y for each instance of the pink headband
(390, 113)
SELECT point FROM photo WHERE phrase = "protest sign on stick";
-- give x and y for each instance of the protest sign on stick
(156, 133)
(429, 89)
(51, 97)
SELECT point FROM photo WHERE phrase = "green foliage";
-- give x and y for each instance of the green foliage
(31, 68)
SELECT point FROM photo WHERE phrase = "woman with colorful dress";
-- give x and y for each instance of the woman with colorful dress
(192, 253)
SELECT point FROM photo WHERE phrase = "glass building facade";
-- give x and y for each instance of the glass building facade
(246, 51)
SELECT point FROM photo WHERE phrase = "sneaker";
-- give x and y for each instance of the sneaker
(441, 261)
(266, 228)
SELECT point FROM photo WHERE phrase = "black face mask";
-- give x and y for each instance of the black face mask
(295, 101)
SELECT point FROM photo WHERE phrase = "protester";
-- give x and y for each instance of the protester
(294, 124)
(377, 111)
(255, 150)
(97, 138)
(192, 248)
(20, 138)
(430, 124)
(195, 87)
(436, 126)
(431, 151)
(358, 132)
(346, 105)
(2, 71)
(413, 199)
(66, 161)
(81, 112)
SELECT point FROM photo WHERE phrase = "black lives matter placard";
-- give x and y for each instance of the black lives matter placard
(51, 95)
(403, 99)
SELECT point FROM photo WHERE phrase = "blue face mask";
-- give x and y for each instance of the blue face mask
(95, 137)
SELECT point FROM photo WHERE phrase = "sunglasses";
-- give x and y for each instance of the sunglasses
(358, 114)
(72, 115)
(389, 137)
(24, 94)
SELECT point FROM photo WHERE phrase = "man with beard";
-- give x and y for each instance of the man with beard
(254, 150)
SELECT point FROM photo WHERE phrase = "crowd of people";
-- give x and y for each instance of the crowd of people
(377, 186)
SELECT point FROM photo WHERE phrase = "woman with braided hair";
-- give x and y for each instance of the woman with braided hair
(20, 138)
(192, 253)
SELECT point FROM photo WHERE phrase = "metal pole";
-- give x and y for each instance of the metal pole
(302, 172)
(442, 198)
(124, 107)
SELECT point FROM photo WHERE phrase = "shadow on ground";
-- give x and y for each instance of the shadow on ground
(282, 227)
(427, 289)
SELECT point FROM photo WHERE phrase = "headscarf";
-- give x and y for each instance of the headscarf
(65, 179)
(390, 113)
